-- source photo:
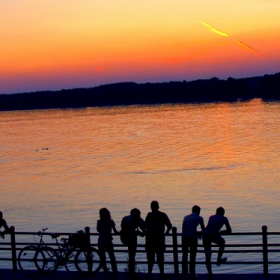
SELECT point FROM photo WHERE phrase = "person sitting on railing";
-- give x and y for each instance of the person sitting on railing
(212, 234)
(105, 226)
(155, 223)
(131, 227)
(3, 224)
(189, 239)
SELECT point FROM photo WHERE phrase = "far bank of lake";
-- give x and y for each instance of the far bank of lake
(266, 87)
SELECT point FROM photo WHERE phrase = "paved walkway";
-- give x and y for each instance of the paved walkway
(7, 274)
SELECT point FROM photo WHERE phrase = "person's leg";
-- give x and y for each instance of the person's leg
(221, 243)
(207, 248)
(110, 250)
(160, 258)
(185, 249)
(102, 254)
(193, 251)
(150, 250)
(131, 258)
(151, 259)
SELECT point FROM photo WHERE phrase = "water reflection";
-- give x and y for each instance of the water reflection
(224, 154)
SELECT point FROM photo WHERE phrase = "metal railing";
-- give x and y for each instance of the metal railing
(174, 248)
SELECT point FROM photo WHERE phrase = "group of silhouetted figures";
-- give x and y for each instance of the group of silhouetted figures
(154, 228)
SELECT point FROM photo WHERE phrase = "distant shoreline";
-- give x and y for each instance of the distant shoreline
(266, 87)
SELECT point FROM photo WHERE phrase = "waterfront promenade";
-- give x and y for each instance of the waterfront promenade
(259, 251)
(8, 274)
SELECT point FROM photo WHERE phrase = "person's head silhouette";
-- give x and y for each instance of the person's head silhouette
(154, 206)
(135, 214)
(1, 215)
(104, 214)
(220, 211)
(196, 209)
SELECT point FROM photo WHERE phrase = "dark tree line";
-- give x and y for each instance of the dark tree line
(212, 90)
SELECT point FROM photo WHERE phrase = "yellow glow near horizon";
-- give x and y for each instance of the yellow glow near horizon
(144, 38)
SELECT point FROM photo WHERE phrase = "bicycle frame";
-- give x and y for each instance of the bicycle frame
(78, 260)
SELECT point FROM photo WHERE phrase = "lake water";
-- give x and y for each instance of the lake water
(59, 167)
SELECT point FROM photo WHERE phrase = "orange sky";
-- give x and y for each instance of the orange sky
(47, 45)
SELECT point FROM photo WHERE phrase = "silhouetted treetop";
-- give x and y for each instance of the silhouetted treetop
(211, 90)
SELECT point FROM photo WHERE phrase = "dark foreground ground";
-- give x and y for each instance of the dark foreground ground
(7, 274)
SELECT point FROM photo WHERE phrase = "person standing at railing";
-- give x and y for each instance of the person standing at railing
(189, 239)
(3, 224)
(132, 226)
(105, 226)
(212, 234)
(155, 223)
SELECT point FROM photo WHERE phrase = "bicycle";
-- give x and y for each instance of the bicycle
(74, 253)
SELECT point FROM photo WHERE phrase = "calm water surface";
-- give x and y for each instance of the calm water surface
(59, 167)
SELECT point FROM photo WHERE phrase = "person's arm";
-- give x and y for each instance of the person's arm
(114, 228)
(202, 226)
(228, 229)
(6, 228)
(142, 226)
(168, 225)
(98, 226)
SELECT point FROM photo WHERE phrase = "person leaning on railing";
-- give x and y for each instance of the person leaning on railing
(212, 234)
(105, 226)
(131, 227)
(189, 240)
(157, 225)
(3, 224)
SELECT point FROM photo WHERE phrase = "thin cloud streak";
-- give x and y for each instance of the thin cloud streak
(242, 44)
(247, 47)
(214, 29)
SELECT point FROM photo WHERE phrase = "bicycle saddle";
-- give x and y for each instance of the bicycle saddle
(54, 235)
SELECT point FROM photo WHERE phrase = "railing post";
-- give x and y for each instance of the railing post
(175, 251)
(87, 230)
(265, 250)
(13, 248)
(88, 257)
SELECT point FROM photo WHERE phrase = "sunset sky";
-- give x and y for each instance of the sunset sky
(56, 44)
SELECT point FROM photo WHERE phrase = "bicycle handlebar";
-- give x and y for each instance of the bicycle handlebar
(42, 231)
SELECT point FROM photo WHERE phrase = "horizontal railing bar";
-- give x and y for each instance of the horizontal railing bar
(143, 246)
(171, 263)
(170, 252)
(178, 234)
(167, 252)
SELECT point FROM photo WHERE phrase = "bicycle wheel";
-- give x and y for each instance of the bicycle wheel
(87, 261)
(50, 259)
(70, 262)
(31, 260)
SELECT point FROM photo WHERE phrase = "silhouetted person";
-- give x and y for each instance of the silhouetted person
(105, 226)
(132, 226)
(155, 224)
(3, 224)
(189, 239)
(212, 234)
